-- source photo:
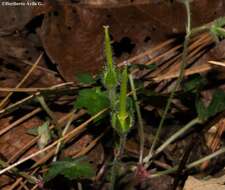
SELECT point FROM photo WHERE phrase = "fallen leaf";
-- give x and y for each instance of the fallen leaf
(72, 34)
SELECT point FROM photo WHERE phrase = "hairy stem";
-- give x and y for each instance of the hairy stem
(44, 105)
(116, 160)
(139, 117)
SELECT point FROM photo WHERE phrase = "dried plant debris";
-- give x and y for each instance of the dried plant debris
(104, 98)
(131, 27)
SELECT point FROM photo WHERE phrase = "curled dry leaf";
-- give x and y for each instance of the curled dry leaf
(73, 39)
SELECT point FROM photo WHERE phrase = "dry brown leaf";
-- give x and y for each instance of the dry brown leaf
(72, 34)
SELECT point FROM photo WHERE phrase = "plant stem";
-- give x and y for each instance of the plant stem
(177, 134)
(182, 69)
(139, 117)
(188, 11)
(116, 160)
(50, 113)
(123, 94)
(210, 156)
(112, 98)
(191, 165)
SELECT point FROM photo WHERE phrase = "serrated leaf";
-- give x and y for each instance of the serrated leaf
(220, 22)
(71, 169)
(85, 78)
(94, 100)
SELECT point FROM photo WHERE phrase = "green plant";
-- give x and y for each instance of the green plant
(110, 75)
(71, 169)
(85, 78)
(217, 31)
(92, 99)
(121, 111)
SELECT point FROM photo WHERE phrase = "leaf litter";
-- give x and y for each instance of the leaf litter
(71, 36)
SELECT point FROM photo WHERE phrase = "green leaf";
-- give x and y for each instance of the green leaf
(94, 100)
(151, 67)
(220, 22)
(194, 83)
(71, 169)
(216, 105)
(85, 78)
(217, 29)
(201, 110)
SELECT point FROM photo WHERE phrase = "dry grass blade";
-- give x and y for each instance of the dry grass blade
(62, 120)
(217, 63)
(69, 135)
(28, 99)
(4, 101)
(190, 71)
(54, 87)
(17, 122)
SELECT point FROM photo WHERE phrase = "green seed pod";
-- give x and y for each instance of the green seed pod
(110, 75)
